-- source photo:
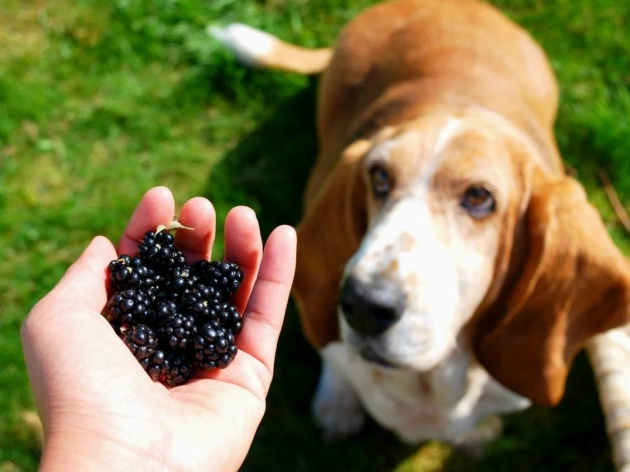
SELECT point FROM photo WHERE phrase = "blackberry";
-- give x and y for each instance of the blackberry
(232, 273)
(176, 369)
(127, 307)
(151, 281)
(175, 281)
(178, 259)
(230, 318)
(171, 315)
(155, 365)
(151, 294)
(162, 310)
(148, 248)
(193, 302)
(141, 341)
(126, 272)
(201, 301)
(208, 293)
(158, 250)
(226, 276)
(214, 347)
(177, 330)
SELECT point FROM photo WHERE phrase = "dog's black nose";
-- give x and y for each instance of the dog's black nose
(364, 310)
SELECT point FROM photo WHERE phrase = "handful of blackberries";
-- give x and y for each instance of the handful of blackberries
(173, 316)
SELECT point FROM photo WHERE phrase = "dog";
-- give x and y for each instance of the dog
(449, 270)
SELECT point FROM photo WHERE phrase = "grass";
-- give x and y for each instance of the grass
(102, 99)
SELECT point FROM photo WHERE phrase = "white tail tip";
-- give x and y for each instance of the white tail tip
(250, 45)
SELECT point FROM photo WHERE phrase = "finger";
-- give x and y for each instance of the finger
(197, 213)
(157, 207)
(264, 315)
(243, 246)
(252, 368)
(85, 281)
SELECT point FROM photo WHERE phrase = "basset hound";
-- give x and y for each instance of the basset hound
(448, 269)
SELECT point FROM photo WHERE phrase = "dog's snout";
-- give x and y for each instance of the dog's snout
(365, 310)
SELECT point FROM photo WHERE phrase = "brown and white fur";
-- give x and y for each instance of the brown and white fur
(448, 269)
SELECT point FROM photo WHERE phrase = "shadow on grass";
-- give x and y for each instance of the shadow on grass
(267, 170)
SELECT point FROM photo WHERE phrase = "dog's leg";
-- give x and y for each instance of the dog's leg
(336, 407)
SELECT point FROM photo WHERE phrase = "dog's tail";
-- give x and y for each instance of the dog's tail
(256, 48)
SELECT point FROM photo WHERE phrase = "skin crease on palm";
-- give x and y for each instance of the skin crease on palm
(100, 410)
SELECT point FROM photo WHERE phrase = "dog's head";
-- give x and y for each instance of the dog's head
(447, 230)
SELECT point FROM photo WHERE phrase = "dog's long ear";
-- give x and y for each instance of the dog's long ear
(328, 235)
(575, 284)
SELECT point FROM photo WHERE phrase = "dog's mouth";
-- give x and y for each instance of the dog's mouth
(370, 355)
(364, 348)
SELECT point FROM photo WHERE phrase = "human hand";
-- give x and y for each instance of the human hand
(99, 408)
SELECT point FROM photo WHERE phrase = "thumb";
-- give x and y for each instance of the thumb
(85, 281)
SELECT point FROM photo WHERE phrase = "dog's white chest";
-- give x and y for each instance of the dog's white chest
(444, 404)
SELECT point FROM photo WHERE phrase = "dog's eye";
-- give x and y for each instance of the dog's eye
(478, 201)
(381, 183)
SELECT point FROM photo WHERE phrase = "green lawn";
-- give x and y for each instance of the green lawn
(102, 99)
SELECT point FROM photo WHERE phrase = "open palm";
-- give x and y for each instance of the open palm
(100, 410)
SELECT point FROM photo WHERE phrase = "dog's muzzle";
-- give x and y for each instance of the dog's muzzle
(368, 311)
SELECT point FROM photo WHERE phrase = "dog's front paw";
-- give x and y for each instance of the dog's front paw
(337, 409)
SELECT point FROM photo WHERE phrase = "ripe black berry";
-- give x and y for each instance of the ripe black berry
(212, 344)
(126, 272)
(231, 318)
(177, 330)
(176, 281)
(141, 341)
(161, 310)
(177, 369)
(127, 307)
(224, 275)
(170, 315)
(155, 365)
(157, 250)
